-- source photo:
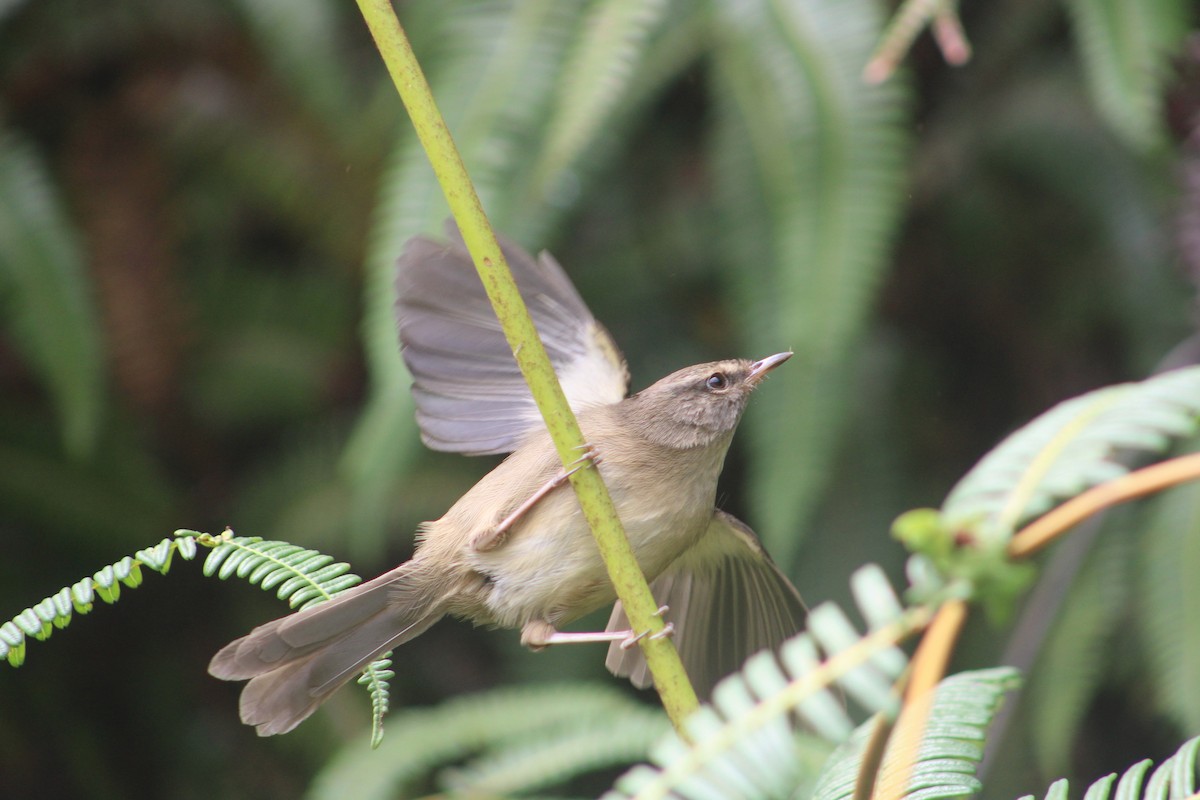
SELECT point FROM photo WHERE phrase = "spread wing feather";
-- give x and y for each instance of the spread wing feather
(727, 600)
(470, 396)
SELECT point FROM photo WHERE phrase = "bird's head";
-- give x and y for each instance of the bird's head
(699, 405)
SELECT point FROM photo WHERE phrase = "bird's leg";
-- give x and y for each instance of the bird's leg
(493, 537)
(539, 634)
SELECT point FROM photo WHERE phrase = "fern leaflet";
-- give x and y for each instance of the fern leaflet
(744, 745)
(1175, 777)
(375, 677)
(964, 705)
(57, 610)
(1126, 47)
(301, 577)
(1070, 448)
(810, 172)
(44, 279)
(469, 730)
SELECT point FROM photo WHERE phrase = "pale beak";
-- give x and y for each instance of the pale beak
(759, 369)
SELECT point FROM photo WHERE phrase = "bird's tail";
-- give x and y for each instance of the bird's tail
(295, 663)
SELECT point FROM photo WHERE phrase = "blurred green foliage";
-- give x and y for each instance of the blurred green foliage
(199, 209)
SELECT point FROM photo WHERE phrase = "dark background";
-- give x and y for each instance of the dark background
(223, 185)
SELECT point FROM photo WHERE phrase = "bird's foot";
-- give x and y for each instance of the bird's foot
(665, 632)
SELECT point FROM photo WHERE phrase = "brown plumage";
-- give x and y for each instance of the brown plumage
(660, 453)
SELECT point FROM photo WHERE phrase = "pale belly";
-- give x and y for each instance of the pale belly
(550, 569)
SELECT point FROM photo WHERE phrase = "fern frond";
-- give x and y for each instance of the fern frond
(43, 274)
(1070, 448)
(579, 747)
(1076, 656)
(1169, 599)
(375, 677)
(964, 705)
(421, 740)
(811, 167)
(57, 610)
(303, 578)
(600, 66)
(1126, 47)
(1175, 777)
(743, 744)
(300, 576)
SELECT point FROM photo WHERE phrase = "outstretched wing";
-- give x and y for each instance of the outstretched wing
(727, 600)
(470, 396)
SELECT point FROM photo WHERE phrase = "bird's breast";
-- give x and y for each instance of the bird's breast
(549, 567)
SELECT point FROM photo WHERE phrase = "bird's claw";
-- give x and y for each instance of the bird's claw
(665, 632)
(588, 455)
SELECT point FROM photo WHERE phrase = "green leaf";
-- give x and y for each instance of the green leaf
(763, 764)
(596, 80)
(1175, 777)
(1068, 449)
(811, 167)
(375, 677)
(578, 746)
(55, 612)
(81, 596)
(1077, 654)
(1126, 47)
(12, 644)
(106, 584)
(747, 739)
(46, 292)
(466, 728)
(952, 747)
(303, 577)
(1168, 557)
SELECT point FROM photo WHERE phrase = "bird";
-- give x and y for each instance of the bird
(515, 551)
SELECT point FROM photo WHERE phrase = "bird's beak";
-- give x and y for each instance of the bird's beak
(759, 369)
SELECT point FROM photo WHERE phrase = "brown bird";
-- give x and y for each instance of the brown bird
(515, 550)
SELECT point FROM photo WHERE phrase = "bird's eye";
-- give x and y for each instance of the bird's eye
(716, 381)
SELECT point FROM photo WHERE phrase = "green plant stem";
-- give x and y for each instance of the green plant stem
(1154, 478)
(926, 671)
(678, 697)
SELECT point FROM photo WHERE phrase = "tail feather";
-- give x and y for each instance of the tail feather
(290, 638)
(295, 663)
